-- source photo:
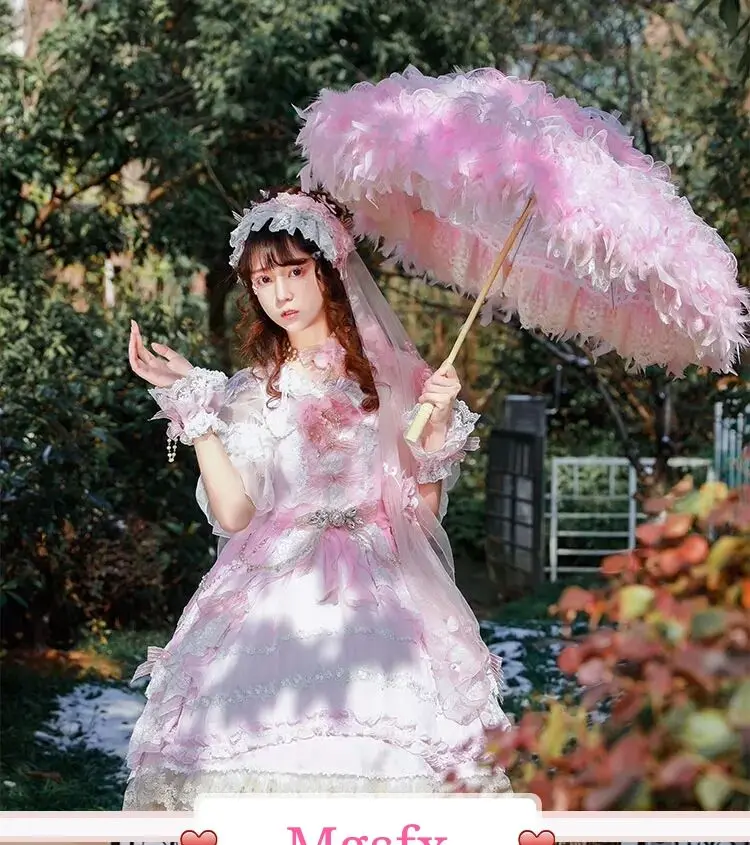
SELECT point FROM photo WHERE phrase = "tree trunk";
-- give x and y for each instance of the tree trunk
(662, 394)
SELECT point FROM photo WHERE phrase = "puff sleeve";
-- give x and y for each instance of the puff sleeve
(206, 400)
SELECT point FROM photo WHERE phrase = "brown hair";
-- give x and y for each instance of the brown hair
(265, 343)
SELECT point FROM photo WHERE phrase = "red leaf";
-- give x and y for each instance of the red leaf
(678, 772)
(666, 604)
(593, 696)
(569, 660)
(576, 600)
(698, 665)
(541, 786)
(694, 549)
(599, 641)
(607, 797)
(659, 679)
(593, 672)
(633, 646)
(617, 564)
(670, 562)
(630, 753)
(650, 534)
(628, 706)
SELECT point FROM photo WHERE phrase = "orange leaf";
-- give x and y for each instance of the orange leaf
(575, 600)
(569, 660)
(684, 486)
(650, 534)
(694, 549)
(616, 564)
(653, 507)
(677, 525)
(746, 593)
(670, 562)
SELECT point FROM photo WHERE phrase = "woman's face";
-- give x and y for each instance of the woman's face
(289, 293)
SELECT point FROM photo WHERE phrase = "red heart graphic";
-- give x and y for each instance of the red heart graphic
(528, 837)
(190, 837)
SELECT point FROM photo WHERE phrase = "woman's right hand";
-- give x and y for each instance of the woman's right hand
(160, 370)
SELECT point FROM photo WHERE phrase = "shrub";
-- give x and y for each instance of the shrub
(664, 669)
(95, 524)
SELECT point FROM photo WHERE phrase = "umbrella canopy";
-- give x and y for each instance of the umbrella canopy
(438, 171)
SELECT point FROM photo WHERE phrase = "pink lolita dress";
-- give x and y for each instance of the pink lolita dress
(300, 664)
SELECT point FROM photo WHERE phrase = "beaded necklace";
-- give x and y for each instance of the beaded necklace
(305, 355)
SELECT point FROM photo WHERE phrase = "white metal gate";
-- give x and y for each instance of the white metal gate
(731, 436)
(593, 511)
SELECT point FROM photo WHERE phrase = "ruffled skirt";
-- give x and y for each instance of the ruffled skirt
(308, 676)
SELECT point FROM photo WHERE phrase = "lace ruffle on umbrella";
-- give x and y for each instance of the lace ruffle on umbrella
(438, 170)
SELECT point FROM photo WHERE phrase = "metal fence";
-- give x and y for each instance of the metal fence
(592, 509)
(731, 438)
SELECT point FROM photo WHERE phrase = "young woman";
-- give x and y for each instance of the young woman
(328, 649)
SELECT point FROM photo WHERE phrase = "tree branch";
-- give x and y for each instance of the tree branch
(59, 200)
(156, 193)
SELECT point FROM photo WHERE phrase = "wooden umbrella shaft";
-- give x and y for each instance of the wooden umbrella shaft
(425, 411)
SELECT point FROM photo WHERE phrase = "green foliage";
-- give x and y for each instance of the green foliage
(465, 519)
(138, 124)
(666, 660)
(94, 523)
(197, 98)
(738, 27)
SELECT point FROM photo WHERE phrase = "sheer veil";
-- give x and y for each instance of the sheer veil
(466, 673)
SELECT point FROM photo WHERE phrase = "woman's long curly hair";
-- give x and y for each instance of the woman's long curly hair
(263, 342)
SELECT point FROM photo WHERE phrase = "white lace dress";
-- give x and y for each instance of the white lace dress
(299, 663)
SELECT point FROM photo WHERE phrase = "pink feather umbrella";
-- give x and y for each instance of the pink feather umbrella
(543, 208)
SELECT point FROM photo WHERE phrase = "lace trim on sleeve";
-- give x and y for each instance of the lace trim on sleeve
(192, 405)
(437, 465)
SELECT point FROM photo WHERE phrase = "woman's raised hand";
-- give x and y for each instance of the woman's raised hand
(441, 390)
(162, 369)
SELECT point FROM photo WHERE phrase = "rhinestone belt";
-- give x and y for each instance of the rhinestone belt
(349, 518)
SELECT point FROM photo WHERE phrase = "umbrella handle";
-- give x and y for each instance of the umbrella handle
(425, 411)
(420, 421)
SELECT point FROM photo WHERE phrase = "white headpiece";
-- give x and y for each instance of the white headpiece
(291, 213)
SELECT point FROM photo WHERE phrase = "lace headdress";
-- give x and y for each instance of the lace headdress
(464, 671)
(291, 213)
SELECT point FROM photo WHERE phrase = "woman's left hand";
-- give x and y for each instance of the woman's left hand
(441, 390)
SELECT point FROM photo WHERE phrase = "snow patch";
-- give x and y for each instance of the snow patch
(101, 718)
(525, 649)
